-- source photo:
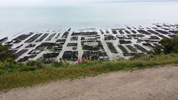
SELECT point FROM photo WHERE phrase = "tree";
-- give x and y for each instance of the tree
(169, 45)
(5, 53)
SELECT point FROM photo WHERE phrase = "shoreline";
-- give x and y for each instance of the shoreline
(57, 28)
(73, 44)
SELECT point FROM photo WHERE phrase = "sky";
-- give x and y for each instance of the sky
(61, 2)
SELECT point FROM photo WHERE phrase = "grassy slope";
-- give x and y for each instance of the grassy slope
(89, 68)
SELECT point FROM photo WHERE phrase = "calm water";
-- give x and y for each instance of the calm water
(20, 20)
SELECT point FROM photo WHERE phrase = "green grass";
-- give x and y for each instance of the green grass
(88, 68)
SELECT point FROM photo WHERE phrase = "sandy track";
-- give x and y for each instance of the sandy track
(149, 84)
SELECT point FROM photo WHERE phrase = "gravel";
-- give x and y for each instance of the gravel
(159, 83)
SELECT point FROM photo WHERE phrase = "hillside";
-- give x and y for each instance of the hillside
(148, 84)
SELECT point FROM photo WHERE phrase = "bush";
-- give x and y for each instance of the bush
(86, 63)
(31, 63)
(10, 65)
(1, 71)
(28, 68)
(5, 53)
(58, 64)
(39, 64)
(138, 64)
(142, 56)
(168, 45)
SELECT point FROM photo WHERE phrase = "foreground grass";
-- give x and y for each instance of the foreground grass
(89, 68)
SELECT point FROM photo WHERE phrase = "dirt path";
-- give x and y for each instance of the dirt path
(149, 84)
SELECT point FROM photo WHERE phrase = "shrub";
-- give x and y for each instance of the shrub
(138, 64)
(31, 63)
(58, 64)
(5, 53)
(1, 71)
(169, 45)
(28, 68)
(39, 64)
(142, 56)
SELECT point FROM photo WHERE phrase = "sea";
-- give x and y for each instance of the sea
(21, 20)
